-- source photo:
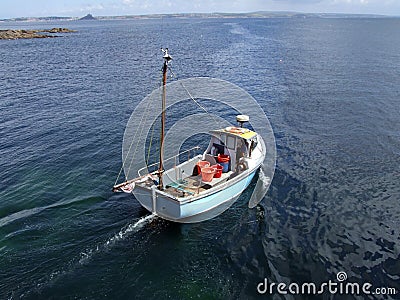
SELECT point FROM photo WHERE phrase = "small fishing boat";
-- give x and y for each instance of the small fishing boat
(204, 185)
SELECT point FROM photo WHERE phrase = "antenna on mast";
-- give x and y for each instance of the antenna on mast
(166, 56)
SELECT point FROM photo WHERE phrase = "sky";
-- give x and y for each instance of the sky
(76, 8)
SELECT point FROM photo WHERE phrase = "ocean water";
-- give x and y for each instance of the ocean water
(331, 90)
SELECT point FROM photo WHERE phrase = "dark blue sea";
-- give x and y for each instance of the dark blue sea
(331, 90)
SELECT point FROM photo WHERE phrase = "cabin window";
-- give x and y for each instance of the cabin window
(230, 142)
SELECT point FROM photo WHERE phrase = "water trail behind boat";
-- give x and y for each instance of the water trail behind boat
(122, 234)
(87, 255)
(130, 229)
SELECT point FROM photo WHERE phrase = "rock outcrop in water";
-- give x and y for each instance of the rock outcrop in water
(10, 34)
(58, 30)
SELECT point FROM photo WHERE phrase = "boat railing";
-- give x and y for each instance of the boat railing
(175, 158)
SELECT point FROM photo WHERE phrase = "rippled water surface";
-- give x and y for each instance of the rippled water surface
(331, 89)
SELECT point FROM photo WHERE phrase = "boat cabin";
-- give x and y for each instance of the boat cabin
(235, 142)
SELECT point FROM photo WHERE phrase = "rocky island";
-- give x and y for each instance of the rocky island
(10, 34)
(88, 17)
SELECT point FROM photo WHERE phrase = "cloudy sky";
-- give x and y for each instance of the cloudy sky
(28, 8)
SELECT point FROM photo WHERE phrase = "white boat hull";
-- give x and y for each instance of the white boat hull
(195, 209)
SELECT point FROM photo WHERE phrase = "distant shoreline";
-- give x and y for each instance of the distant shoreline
(261, 14)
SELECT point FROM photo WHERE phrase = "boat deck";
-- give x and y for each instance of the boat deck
(194, 185)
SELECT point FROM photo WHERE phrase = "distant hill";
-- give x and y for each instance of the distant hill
(88, 17)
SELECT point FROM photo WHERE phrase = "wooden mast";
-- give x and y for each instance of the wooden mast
(167, 58)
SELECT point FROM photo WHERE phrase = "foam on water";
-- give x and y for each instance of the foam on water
(122, 234)
(85, 257)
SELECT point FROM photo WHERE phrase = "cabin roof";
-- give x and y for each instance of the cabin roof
(243, 133)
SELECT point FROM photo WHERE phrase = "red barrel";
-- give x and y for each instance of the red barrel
(218, 170)
(223, 158)
(201, 164)
(224, 162)
(207, 174)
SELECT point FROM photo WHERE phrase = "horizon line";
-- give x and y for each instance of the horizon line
(204, 13)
